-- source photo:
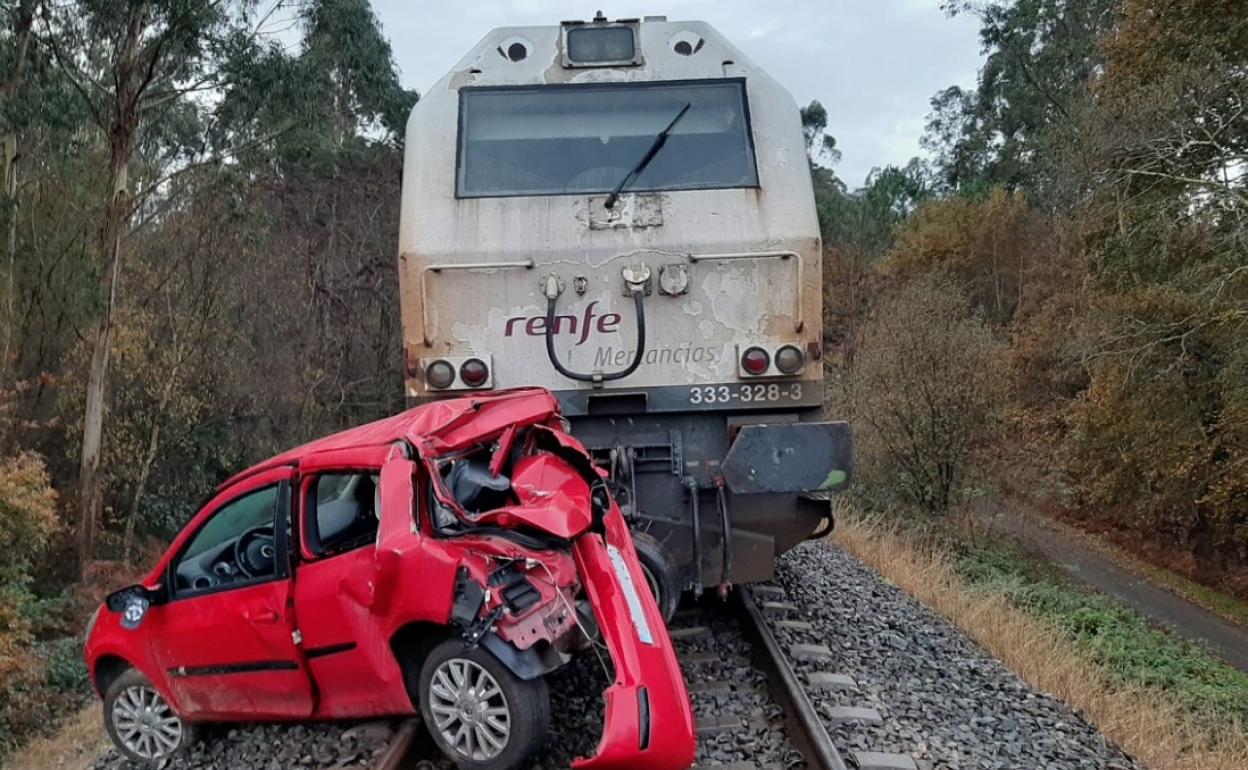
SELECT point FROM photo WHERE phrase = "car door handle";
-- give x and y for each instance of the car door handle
(261, 616)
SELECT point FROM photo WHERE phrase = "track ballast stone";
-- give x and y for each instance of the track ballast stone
(313, 746)
(943, 700)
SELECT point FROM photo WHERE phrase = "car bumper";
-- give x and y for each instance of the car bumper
(648, 720)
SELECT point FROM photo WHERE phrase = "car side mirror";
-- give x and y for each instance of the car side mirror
(133, 603)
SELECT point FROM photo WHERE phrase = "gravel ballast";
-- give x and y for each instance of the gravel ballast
(944, 701)
(313, 746)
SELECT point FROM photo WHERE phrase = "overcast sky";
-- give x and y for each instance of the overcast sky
(873, 63)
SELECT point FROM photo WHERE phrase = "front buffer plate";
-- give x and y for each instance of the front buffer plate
(790, 457)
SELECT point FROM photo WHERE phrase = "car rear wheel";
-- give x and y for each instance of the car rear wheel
(481, 715)
(141, 723)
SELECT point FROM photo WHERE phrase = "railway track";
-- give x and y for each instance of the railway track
(752, 712)
(752, 707)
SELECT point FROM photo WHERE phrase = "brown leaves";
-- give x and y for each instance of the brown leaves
(27, 513)
(923, 394)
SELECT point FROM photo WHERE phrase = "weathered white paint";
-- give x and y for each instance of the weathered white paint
(730, 303)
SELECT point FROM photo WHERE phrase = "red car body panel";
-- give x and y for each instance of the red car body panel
(647, 719)
(316, 642)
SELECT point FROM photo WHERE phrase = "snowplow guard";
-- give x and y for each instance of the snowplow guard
(790, 457)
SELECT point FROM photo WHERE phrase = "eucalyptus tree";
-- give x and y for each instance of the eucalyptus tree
(15, 52)
(1040, 56)
(137, 66)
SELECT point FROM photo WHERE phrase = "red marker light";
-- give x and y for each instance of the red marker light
(474, 373)
(755, 361)
(439, 374)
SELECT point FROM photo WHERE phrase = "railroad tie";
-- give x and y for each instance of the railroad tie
(877, 760)
(713, 658)
(710, 688)
(767, 592)
(810, 652)
(688, 632)
(725, 723)
(689, 613)
(740, 766)
(793, 625)
(864, 714)
(778, 608)
(824, 681)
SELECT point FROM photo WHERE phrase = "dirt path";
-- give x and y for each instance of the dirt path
(1153, 602)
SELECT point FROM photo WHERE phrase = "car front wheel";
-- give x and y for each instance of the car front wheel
(141, 722)
(482, 716)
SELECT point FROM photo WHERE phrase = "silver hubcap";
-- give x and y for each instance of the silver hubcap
(469, 710)
(145, 724)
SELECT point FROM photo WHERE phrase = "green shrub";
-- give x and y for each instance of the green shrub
(66, 670)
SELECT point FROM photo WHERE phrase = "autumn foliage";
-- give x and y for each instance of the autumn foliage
(1104, 244)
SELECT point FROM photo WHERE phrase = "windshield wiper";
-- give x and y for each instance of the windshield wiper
(659, 141)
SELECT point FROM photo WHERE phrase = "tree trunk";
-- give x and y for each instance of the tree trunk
(93, 415)
(23, 23)
(10, 248)
(121, 130)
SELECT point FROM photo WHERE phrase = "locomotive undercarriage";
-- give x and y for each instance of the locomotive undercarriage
(670, 477)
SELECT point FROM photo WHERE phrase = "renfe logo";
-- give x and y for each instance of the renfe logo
(535, 326)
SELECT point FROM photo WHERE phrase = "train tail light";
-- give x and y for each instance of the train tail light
(440, 374)
(790, 359)
(755, 361)
(474, 373)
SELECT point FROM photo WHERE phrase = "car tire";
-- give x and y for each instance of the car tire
(141, 723)
(660, 574)
(480, 714)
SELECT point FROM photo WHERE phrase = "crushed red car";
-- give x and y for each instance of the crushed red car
(443, 560)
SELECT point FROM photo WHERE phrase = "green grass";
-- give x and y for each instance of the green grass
(1122, 642)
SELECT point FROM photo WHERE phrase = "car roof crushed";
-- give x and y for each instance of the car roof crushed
(434, 428)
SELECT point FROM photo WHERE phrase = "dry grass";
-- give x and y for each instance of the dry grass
(1143, 722)
(75, 746)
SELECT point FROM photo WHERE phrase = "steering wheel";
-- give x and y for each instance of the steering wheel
(254, 552)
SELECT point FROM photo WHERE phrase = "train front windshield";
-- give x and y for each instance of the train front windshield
(566, 139)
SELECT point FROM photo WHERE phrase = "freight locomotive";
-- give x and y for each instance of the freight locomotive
(621, 211)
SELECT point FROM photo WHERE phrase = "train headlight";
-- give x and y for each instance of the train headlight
(790, 360)
(474, 373)
(439, 374)
(755, 361)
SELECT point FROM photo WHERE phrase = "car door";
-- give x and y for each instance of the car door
(225, 636)
(349, 656)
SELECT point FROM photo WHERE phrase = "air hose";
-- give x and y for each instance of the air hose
(552, 297)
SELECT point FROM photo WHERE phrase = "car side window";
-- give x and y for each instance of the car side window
(345, 511)
(236, 544)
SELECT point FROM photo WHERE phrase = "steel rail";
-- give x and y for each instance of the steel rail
(400, 747)
(806, 730)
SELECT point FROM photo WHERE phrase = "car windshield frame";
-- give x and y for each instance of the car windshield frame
(606, 185)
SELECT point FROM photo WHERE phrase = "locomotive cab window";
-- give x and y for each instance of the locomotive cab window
(569, 139)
